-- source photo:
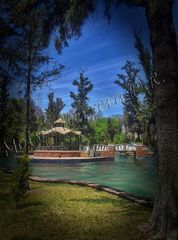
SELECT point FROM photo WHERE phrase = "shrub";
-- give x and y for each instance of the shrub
(20, 177)
(120, 138)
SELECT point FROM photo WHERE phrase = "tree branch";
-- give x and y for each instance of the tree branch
(137, 3)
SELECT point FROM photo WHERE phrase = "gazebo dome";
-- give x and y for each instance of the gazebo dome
(59, 120)
(60, 130)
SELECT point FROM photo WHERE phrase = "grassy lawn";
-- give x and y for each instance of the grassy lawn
(61, 211)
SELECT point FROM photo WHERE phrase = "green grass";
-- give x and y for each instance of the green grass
(64, 212)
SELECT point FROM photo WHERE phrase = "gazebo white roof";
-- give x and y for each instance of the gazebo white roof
(60, 120)
(60, 130)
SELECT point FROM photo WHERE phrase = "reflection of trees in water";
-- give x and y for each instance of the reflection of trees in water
(145, 163)
(102, 166)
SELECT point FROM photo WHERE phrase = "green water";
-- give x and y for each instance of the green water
(137, 176)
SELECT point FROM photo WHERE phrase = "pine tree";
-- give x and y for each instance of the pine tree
(4, 98)
(30, 54)
(54, 109)
(129, 83)
(80, 103)
(147, 115)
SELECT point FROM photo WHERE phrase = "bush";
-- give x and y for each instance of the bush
(120, 138)
(138, 140)
(20, 177)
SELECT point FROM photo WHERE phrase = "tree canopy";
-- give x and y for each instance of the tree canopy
(54, 109)
(80, 105)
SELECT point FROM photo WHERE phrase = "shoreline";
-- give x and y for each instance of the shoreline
(144, 201)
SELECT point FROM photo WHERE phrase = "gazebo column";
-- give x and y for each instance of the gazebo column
(70, 142)
(57, 140)
(78, 141)
(40, 142)
(53, 140)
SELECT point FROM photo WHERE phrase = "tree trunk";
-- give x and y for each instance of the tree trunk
(28, 83)
(28, 89)
(164, 217)
(27, 117)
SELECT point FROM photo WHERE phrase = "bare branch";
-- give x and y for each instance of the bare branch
(137, 3)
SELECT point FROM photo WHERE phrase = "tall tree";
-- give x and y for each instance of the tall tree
(54, 108)
(113, 128)
(31, 55)
(15, 121)
(4, 98)
(147, 116)
(138, 96)
(80, 103)
(7, 33)
(129, 83)
(165, 61)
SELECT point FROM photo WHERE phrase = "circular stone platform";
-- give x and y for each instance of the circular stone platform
(35, 159)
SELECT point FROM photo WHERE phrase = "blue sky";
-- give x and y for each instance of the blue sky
(101, 51)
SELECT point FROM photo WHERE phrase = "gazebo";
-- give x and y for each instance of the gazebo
(60, 138)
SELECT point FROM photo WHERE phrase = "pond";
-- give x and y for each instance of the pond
(137, 176)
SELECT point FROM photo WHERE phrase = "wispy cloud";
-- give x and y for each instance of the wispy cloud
(101, 51)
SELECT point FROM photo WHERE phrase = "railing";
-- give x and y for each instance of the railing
(96, 147)
(118, 147)
(56, 148)
(125, 147)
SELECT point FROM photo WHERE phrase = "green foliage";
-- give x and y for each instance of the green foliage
(131, 97)
(112, 128)
(54, 108)
(82, 110)
(85, 140)
(4, 95)
(120, 138)
(33, 140)
(40, 119)
(100, 131)
(138, 140)
(28, 51)
(145, 59)
(20, 177)
(15, 119)
(72, 15)
(15, 122)
(105, 130)
(138, 96)
(146, 112)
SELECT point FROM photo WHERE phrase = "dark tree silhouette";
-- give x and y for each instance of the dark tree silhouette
(129, 83)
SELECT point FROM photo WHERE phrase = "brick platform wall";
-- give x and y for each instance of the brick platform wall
(108, 153)
(141, 152)
(57, 153)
